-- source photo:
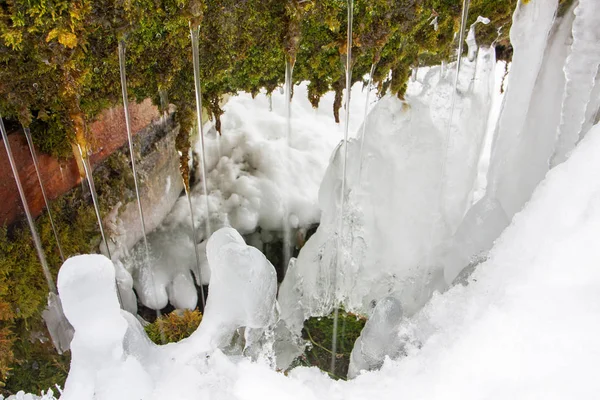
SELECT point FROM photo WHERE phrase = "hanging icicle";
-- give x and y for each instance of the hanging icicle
(287, 229)
(39, 176)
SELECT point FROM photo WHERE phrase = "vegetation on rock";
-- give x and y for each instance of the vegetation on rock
(174, 326)
(59, 60)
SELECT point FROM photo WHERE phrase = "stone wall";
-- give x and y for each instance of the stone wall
(107, 135)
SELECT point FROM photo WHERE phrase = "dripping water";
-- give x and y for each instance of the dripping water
(339, 243)
(197, 253)
(135, 180)
(196, 59)
(58, 326)
(39, 176)
(34, 233)
(87, 167)
(287, 230)
(131, 152)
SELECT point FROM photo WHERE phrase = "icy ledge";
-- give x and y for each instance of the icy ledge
(526, 325)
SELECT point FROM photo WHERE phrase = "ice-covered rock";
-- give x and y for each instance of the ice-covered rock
(243, 286)
(87, 288)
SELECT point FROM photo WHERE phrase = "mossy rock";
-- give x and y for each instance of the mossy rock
(319, 333)
(59, 62)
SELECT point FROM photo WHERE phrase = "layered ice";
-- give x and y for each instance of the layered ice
(580, 71)
(414, 191)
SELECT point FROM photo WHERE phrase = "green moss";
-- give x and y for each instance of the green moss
(319, 332)
(174, 327)
(59, 58)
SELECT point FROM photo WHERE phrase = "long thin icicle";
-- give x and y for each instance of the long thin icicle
(196, 252)
(580, 73)
(287, 230)
(131, 151)
(339, 246)
(39, 176)
(194, 32)
(36, 238)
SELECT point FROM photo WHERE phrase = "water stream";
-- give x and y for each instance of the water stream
(131, 150)
(34, 233)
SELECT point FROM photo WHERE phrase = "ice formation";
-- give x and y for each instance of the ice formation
(243, 287)
(404, 145)
(580, 71)
(249, 184)
(87, 288)
(495, 338)
(379, 338)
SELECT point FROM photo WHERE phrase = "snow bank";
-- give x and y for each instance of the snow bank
(525, 326)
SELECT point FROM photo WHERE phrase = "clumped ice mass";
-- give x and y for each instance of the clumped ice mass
(468, 296)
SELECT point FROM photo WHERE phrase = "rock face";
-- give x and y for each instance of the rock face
(107, 135)
(160, 187)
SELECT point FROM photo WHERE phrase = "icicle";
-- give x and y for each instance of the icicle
(131, 150)
(580, 72)
(592, 113)
(287, 230)
(340, 232)
(364, 126)
(39, 176)
(58, 326)
(196, 59)
(471, 40)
